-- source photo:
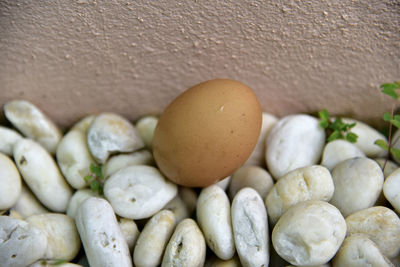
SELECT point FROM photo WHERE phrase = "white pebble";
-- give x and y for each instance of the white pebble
(33, 123)
(337, 151)
(20, 243)
(309, 233)
(308, 183)
(84, 124)
(389, 167)
(366, 138)
(138, 192)
(153, 239)
(358, 250)
(63, 241)
(110, 133)
(130, 231)
(10, 182)
(379, 224)
(146, 126)
(189, 197)
(53, 263)
(214, 218)
(186, 246)
(42, 175)
(27, 204)
(391, 189)
(224, 183)
(77, 199)
(101, 236)
(257, 157)
(74, 158)
(358, 183)
(8, 138)
(178, 208)
(250, 228)
(251, 176)
(295, 141)
(117, 162)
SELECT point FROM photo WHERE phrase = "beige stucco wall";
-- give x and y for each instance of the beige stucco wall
(75, 57)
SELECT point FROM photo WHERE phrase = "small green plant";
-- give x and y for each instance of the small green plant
(392, 90)
(336, 129)
(95, 178)
(59, 262)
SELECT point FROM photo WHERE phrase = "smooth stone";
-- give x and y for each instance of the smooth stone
(118, 162)
(358, 184)
(77, 199)
(130, 231)
(214, 219)
(391, 189)
(309, 233)
(33, 123)
(110, 133)
(74, 158)
(53, 263)
(8, 138)
(381, 225)
(63, 241)
(290, 137)
(251, 176)
(250, 228)
(101, 236)
(308, 183)
(27, 204)
(389, 167)
(189, 197)
(358, 250)
(21, 243)
(41, 174)
(186, 247)
(224, 183)
(178, 208)
(146, 126)
(339, 150)
(83, 124)
(257, 157)
(10, 182)
(366, 138)
(138, 192)
(153, 239)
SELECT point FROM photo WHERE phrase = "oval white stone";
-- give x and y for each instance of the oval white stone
(186, 247)
(295, 141)
(101, 236)
(358, 183)
(10, 182)
(337, 151)
(42, 175)
(8, 138)
(138, 192)
(250, 228)
(309, 233)
(214, 218)
(33, 123)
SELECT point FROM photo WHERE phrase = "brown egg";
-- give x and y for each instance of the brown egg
(207, 132)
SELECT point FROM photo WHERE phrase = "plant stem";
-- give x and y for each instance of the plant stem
(389, 139)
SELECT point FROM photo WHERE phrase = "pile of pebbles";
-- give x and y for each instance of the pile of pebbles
(297, 201)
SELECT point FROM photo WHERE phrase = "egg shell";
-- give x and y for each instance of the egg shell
(207, 132)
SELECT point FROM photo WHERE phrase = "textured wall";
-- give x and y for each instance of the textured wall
(132, 57)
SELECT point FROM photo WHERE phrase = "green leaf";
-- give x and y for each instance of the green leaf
(96, 170)
(59, 262)
(324, 124)
(88, 178)
(382, 143)
(351, 125)
(390, 89)
(351, 137)
(95, 186)
(395, 152)
(387, 116)
(395, 123)
(324, 114)
(335, 135)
